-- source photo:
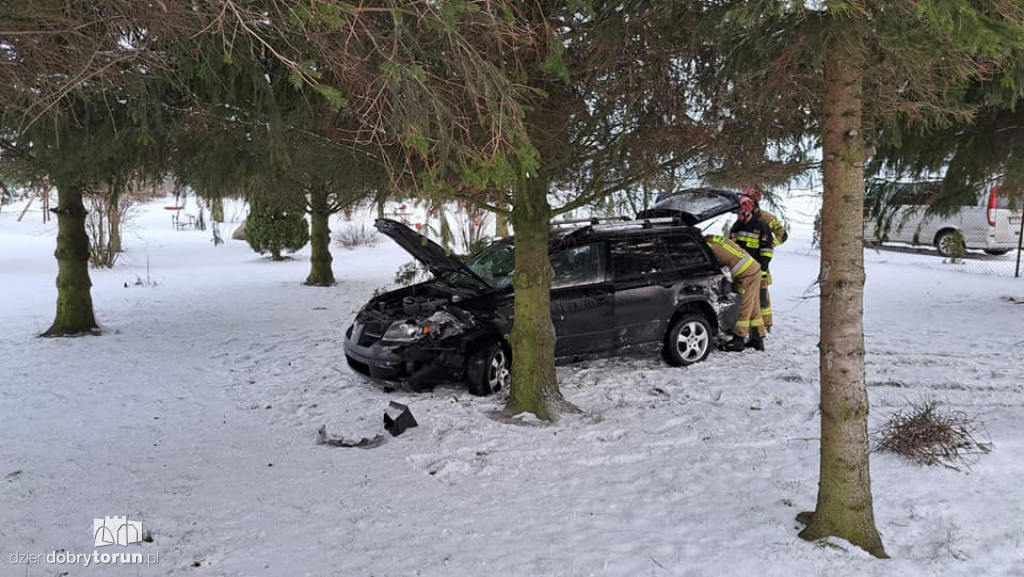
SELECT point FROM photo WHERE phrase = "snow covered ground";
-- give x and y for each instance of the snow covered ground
(196, 413)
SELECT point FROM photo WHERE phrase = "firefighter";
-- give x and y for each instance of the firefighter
(780, 235)
(778, 228)
(754, 235)
(746, 278)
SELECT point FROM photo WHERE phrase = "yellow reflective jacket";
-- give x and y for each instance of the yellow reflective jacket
(778, 229)
(732, 255)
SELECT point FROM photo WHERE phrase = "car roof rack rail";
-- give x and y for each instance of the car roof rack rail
(645, 223)
(590, 221)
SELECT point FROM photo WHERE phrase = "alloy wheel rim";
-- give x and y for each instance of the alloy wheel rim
(498, 374)
(693, 340)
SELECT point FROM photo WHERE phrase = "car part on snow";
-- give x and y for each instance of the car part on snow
(325, 438)
(398, 418)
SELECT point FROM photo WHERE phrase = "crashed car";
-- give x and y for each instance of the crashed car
(618, 286)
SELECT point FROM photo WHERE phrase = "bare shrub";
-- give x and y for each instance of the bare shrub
(928, 436)
(108, 211)
(352, 236)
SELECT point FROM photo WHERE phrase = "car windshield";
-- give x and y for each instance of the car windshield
(494, 264)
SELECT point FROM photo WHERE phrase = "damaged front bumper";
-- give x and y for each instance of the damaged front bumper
(421, 365)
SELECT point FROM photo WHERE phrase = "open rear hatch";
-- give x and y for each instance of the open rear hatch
(693, 205)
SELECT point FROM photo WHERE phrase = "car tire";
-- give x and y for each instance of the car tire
(688, 340)
(996, 252)
(490, 370)
(950, 243)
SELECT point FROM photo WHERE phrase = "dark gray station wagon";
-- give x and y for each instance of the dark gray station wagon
(619, 286)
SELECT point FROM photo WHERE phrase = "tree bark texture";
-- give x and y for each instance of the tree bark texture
(844, 507)
(320, 260)
(74, 298)
(501, 225)
(534, 384)
(217, 210)
(114, 222)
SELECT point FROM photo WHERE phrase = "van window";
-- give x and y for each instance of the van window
(640, 257)
(578, 265)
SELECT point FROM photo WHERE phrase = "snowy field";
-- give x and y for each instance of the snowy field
(196, 413)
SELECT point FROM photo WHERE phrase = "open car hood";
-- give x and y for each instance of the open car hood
(428, 252)
(693, 205)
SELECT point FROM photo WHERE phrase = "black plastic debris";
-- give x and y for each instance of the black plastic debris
(398, 418)
(325, 438)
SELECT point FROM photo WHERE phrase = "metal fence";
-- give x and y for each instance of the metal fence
(975, 240)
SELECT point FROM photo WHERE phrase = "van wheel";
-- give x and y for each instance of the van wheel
(995, 252)
(950, 243)
(688, 340)
(490, 370)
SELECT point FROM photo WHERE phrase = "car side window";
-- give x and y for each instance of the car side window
(685, 252)
(578, 265)
(643, 257)
(640, 257)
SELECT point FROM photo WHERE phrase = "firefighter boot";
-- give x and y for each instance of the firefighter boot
(735, 345)
(756, 342)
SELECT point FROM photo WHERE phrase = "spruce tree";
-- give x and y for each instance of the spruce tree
(273, 228)
(607, 109)
(779, 75)
(59, 55)
(79, 150)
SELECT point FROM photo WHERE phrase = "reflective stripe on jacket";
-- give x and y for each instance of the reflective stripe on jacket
(732, 255)
(756, 237)
(778, 229)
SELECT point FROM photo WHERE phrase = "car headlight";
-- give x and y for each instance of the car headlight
(438, 325)
(402, 332)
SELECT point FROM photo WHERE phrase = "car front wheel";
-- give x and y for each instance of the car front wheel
(950, 243)
(490, 370)
(688, 340)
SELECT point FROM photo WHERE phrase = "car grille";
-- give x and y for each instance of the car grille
(369, 333)
(358, 366)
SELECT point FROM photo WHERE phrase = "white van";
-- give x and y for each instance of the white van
(897, 212)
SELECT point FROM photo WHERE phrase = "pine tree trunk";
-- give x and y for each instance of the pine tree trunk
(217, 210)
(501, 225)
(275, 253)
(114, 222)
(320, 272)
(844, 508)
(74, 299)
(534, 384)
(99, 250)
